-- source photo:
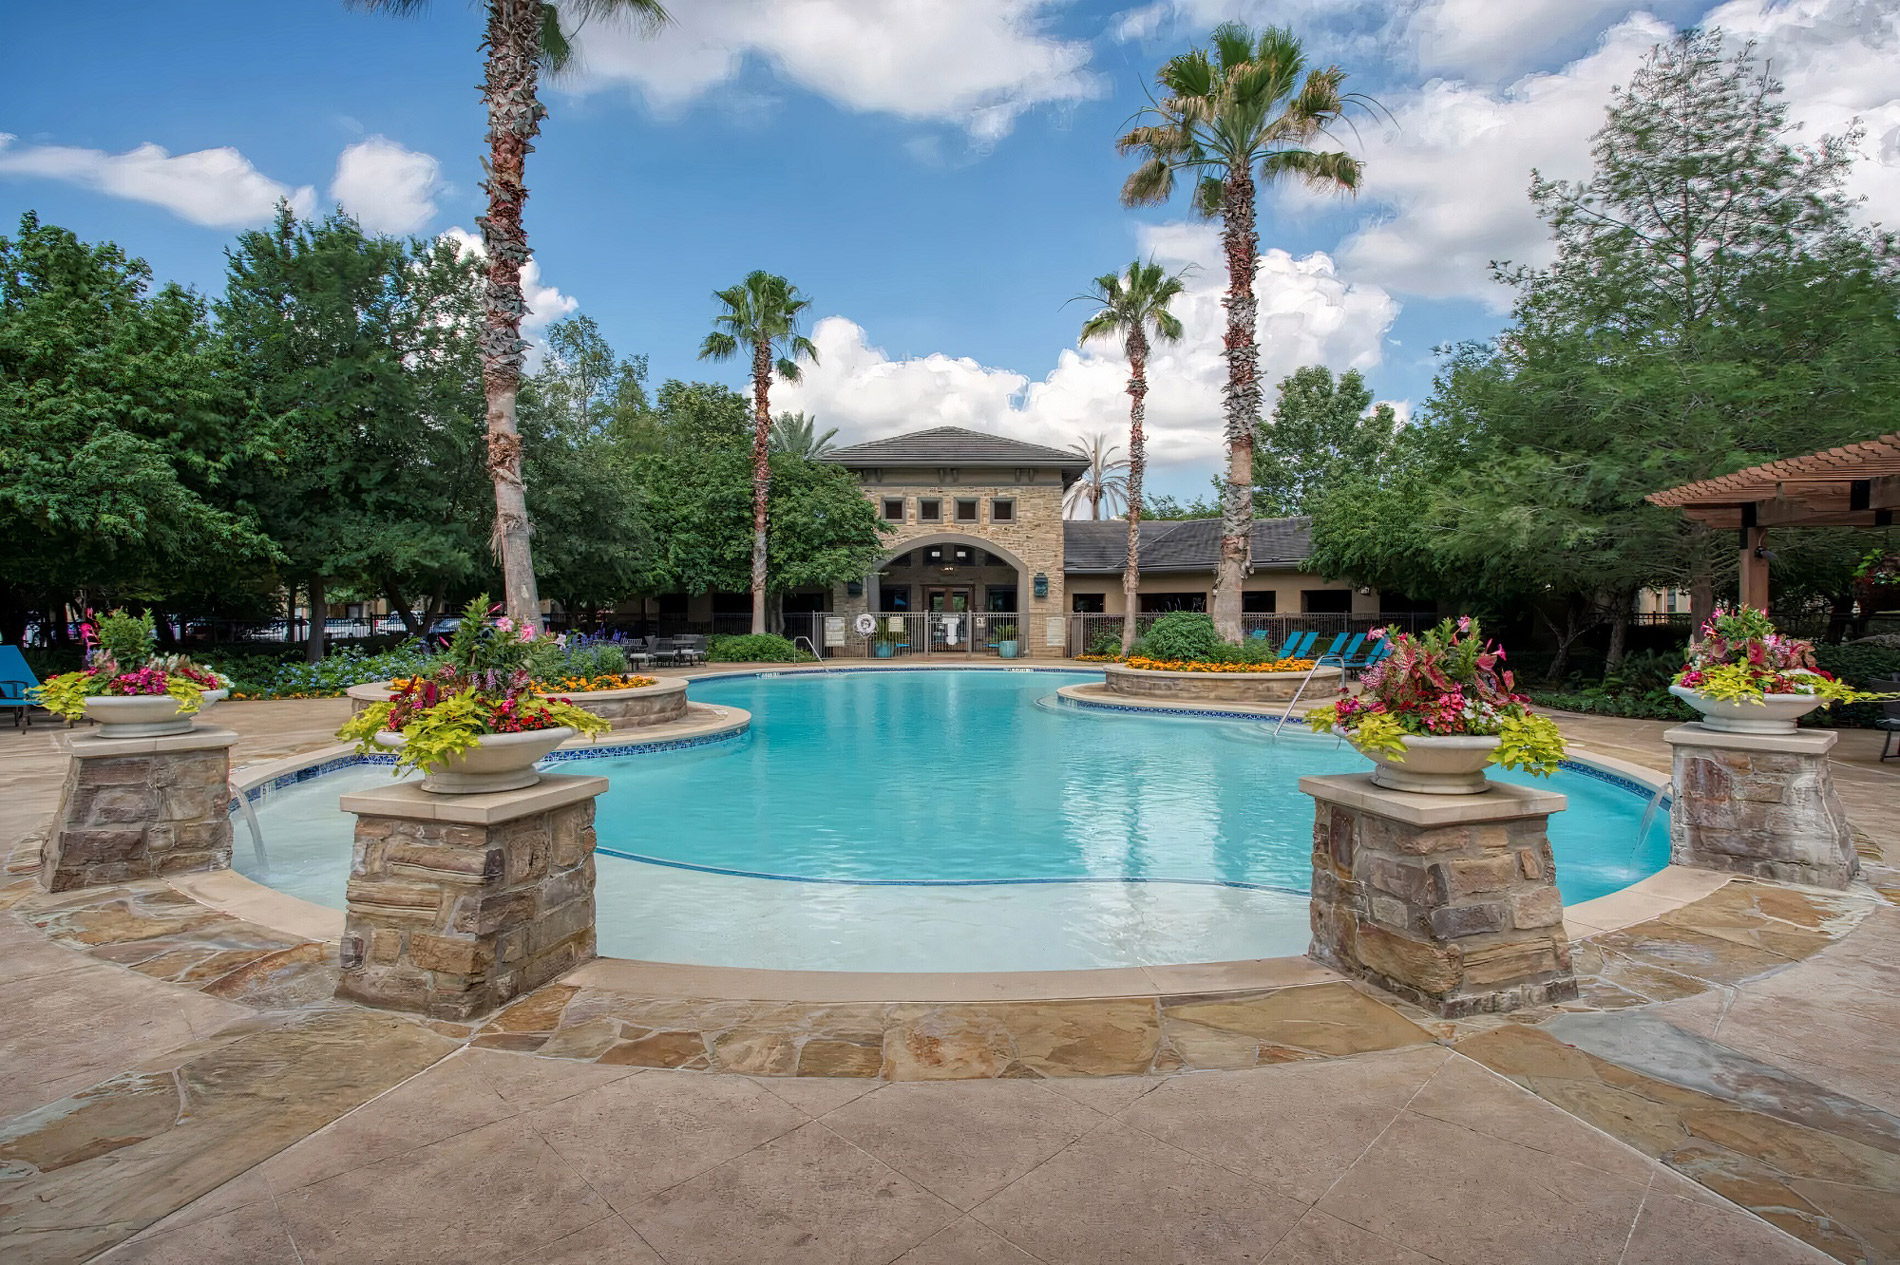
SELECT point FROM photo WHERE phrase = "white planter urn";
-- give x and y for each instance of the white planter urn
(1449, 765)
(497, 762)
(1775, 714)
(145, 715)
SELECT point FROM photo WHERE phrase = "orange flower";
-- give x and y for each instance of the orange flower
(1184, 665)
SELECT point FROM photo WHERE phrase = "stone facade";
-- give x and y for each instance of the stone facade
(135, 808)
(1223, 687)
(1448, 901)
(1759, 804)
(459, 903)
(1031, 540)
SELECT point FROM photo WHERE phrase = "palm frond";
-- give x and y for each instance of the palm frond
(401, 8)
(1150, 184)
(719, 346)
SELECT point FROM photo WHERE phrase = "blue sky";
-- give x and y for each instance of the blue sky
(940, 177)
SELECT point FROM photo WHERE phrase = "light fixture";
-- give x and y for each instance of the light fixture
(1042, 585)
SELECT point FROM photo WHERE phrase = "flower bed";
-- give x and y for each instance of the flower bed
(120, 665)
(1142, 664)
(1745, 677)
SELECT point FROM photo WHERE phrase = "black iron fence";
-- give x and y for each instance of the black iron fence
(1101, 634)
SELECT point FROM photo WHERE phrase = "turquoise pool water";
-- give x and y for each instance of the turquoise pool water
(960, 820)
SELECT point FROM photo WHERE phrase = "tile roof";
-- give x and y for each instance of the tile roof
(1191, 544)
(1847, 464)
(953, 446)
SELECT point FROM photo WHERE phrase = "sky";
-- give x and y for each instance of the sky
(939, 176)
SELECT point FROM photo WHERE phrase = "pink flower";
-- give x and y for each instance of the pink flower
(504, 624)
(1375, 634)
(1464, 623)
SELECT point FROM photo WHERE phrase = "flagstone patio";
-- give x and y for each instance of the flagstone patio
(176, 1084)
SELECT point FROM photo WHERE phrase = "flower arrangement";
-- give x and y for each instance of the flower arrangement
(1738, 657)
(1446, 682)
(484, 684)
(1204, 665)
(120, 664)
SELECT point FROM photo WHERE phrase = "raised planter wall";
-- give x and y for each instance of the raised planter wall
(656, 704)
(136, 808)
(1759, 804)
(1222, 687)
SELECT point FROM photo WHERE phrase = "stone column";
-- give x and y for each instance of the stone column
(460, 903)
(136, 808)
(1759, 804)
(1449, 901)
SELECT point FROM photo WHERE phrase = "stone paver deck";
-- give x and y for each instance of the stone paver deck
(177, 1086)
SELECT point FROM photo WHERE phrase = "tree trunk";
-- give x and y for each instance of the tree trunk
(761, 473)
(1241, 399)
(1619, 631)
(1701, 577)
(393, 595)
(513, 41)
(313, 647)
(1137, 347)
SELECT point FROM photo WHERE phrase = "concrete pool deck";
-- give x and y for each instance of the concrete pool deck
(177, 1085)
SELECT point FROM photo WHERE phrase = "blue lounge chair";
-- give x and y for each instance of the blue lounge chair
(1306, 644)
(1374, 652)
(1342, 651)
(1286, 650)
(1332, 651)
(16, 680)
(1258, 634)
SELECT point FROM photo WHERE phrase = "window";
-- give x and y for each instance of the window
(893, 599)
(1000, 597)
(966, 511)
(1257, 602)
(930, 511)
(932, 556)
(1326, 601)
(1002, 510)
(1160, 603)
(893, 509)
(963, 556)
(1088, 603)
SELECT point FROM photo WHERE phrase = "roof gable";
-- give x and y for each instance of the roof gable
(953, 446)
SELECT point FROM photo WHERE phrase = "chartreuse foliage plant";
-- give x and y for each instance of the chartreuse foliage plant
(120, 664)
(1738, 657)
(1448, 682)
(485, 684)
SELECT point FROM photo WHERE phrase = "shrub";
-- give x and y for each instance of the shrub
(753, 648)
(1106, 644)
(1181, 635)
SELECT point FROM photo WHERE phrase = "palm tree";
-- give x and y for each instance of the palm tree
(1130, 305)
(1105, 482)
(1225, 113)
(797, 435)
(762, 313)
(522, 38)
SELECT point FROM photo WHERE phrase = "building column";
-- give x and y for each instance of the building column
(1759, 804)
(1754, 568)
(1450, 901)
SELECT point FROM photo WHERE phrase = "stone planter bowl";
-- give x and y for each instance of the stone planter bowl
(497, 762)
(658, 704)
(145, 715)
(1450, 765)
(1775, 714)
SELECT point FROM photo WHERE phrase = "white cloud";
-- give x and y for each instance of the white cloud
(545, 303)
(1487, 40)
(1308, 315)
(215, 187)
(975, 63)
(387, 187)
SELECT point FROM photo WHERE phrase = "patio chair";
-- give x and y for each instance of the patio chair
(1286, 649)
(16, 679)
(664, 650)
(1888, 720)
(1332, 651)
(1305, 647)
(690, 648)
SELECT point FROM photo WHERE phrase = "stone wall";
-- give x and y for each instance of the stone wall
(135, 808)
(457, 904)
(1224, 687)
(1759, 804)
(658, 704)
(1034, 537)
(1452, 905)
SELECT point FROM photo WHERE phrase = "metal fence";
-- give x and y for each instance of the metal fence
(1101, 634)
(914, 634)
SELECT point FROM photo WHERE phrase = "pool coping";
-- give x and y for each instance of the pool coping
(231, 892)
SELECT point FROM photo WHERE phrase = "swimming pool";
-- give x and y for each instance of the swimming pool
(949, 820)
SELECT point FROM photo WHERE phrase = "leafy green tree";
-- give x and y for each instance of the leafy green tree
(117, 428)
(1241, 113)
(1128, 306)
(762, 315)
(1171, 508)
(1320, 426)
(798, 435)
(521, 38)
(1105, 480)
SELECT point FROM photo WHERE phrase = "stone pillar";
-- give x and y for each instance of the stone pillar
(136, 808)
(460, 903)
(1449, 901)
(1759, 804)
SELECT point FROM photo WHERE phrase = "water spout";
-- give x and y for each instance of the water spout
(257, 834)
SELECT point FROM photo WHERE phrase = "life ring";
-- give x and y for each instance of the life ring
(866, 624)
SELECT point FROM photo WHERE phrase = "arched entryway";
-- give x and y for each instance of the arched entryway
(959, 591)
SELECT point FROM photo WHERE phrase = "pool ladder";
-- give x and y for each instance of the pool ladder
(810, 645)
(1301, 692)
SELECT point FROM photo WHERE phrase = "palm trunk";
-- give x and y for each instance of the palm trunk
(513, 41)
(1137, 345)
(761, 473)
(1241, 399)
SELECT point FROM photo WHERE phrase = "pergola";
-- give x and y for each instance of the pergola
(1856, 485)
